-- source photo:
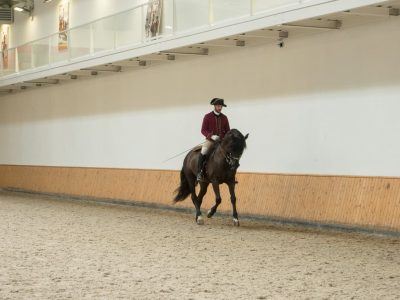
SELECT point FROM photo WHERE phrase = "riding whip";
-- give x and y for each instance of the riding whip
(183, 152)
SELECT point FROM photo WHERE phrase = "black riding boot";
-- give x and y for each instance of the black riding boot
(200, 164)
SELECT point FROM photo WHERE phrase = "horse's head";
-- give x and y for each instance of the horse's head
(233, 145)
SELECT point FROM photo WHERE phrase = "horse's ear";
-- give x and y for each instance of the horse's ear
(246, 136)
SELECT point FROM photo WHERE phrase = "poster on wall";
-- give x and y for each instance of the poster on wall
(63, 23)
(153, 18)
(5, 42)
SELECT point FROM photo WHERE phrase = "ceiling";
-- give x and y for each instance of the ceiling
(26, 4)
(275, 34)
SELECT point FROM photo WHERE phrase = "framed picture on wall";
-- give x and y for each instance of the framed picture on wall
(63, 24)
(153, 19)
(5, 42)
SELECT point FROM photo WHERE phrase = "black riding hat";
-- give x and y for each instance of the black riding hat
(217, 101)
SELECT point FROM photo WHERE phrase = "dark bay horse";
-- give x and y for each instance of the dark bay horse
(222, 163)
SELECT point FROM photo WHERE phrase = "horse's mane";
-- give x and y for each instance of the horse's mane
(235, 141)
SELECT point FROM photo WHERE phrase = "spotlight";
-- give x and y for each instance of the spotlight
(18, 9)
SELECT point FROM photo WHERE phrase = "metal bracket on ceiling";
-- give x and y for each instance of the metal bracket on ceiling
(317, 24)
(105, 68)
(43, 81)
(158, 57)
(189, 51)
(373, 11)
(271, 34)
(226, 42)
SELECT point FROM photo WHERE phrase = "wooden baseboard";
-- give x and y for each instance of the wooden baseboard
(366, 202)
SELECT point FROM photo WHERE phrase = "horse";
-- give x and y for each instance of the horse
(221, 166)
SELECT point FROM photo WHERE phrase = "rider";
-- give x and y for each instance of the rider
(215, 126)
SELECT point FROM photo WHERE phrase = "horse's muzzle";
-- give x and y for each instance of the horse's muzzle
(235, 166)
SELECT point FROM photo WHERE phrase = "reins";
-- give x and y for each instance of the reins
(229, 158)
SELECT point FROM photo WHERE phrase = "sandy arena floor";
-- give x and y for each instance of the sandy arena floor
(55, 249)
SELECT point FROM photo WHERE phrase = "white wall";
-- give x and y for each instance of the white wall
(324, 104)
(45, 17)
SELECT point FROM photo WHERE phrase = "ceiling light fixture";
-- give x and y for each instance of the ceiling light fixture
(18, 9)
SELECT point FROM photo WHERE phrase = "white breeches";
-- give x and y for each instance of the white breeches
(206, 147)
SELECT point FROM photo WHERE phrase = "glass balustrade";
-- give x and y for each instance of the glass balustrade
(58, 51)
(190, 14)
(131, 28)
(24, 56)
(224, 10)
(40, 53)
(260, 6)
(80, 41)
(103, 34)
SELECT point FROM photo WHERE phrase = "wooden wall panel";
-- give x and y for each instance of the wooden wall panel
(371, 202)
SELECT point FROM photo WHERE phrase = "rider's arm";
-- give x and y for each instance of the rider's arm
(205, 128)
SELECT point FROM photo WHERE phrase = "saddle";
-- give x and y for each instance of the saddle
(211, 150)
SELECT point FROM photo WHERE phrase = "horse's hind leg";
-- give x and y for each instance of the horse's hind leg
(213, 209)
(233, 201)
(199, 201)
(195, 200)
(203, 191)
(199, 218)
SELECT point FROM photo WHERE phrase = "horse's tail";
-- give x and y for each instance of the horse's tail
(183, 190)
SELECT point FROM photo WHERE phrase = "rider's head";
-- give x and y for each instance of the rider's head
(218, 104)
(218, 108)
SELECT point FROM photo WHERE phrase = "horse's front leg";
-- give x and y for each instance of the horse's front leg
(213, 209)
(233, 201)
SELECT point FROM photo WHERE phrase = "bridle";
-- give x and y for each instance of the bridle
(233, 161)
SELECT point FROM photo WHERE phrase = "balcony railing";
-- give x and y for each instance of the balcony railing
(127, 30)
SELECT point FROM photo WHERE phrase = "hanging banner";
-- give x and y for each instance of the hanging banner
(5, 43)
(63, 24)
(153, 18)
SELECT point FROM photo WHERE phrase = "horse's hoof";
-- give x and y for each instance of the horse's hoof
(209, 214)
(200, 220)
(235, 222)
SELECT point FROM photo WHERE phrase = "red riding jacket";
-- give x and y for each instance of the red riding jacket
(215, 125)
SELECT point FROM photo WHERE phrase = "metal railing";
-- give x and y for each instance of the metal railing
(127, 30)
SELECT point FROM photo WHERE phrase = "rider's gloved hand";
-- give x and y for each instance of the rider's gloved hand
(215, 137)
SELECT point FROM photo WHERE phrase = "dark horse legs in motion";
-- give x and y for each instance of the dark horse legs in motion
(221, 168)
